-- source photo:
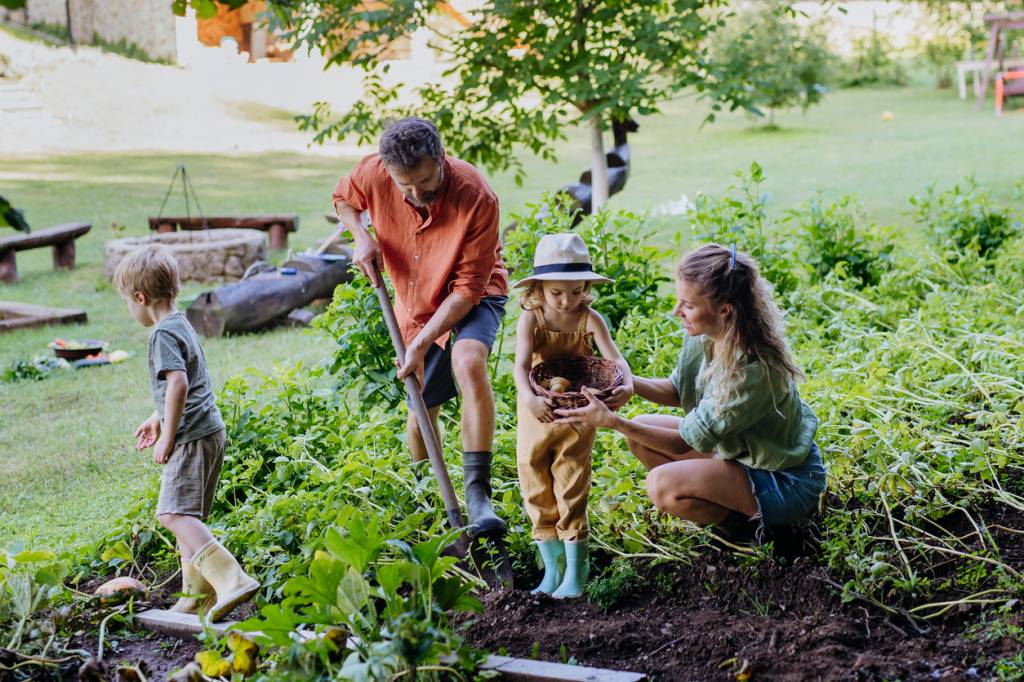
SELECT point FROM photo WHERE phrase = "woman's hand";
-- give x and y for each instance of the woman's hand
(541, 408)
(620, 396)
(596, 414)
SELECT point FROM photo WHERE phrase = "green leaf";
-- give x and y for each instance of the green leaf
(119, 550)
(353, 592)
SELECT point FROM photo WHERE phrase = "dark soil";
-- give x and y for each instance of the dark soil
(722, 618)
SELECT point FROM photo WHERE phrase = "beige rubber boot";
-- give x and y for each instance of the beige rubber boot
(219, 568)
(193, 583)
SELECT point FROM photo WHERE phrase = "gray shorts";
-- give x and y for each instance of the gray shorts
(481, 323)
(189, 480)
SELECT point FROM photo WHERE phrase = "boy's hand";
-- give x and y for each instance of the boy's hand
(619, 397)
(147, 433)
(542, 409)
(163, 449)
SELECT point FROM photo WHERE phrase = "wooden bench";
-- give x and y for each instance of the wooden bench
(61, 238)
(277, 227)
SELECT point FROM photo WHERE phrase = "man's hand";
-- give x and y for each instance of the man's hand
(147, 433)
(412, 364)
(366, 256)
(163, 450)
(620, 396)
(596, 414)
(542, 409)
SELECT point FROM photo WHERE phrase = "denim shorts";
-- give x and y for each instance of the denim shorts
(481, 323)
(788, 495)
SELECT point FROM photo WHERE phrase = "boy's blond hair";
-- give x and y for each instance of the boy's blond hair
(533, 295)
(149, 269)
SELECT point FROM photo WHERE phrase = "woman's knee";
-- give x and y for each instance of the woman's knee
(658, 488)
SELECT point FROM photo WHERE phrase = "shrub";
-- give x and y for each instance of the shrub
(743, 219)
(873, 64)
(833, 242)
(964, 219)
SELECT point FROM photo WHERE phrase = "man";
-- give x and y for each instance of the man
(436, 224)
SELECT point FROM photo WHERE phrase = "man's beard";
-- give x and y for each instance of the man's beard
(427, 200)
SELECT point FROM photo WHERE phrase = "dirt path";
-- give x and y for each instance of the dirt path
(58, 100)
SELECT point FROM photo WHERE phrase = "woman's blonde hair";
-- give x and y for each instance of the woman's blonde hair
(533, 295)
(752, 331)
(150, 269)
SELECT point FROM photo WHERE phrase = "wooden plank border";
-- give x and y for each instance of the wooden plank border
(186, 625)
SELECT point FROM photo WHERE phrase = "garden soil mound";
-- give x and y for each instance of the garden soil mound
(722, 620)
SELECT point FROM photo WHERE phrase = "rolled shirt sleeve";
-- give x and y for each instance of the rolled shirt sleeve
(475, 264)
(707, 425)
(352, 188)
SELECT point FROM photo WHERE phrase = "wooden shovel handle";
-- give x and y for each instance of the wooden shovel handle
(419, 408)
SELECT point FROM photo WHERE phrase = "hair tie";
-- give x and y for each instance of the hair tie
(732, 256)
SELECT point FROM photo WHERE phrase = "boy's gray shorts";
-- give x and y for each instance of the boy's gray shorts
(190, 476)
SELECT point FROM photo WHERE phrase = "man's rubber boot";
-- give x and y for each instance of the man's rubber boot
(231, 584)
(551, 552)
(476, 469)
(193, 584)
(577, 570)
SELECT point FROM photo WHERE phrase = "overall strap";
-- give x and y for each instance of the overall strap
(539, 315)
(583, 320)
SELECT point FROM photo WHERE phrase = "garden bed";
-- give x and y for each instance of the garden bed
(720, 619)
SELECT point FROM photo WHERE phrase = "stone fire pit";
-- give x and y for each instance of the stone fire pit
(203, 256)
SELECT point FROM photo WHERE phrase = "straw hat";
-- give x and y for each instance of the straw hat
(562, 257)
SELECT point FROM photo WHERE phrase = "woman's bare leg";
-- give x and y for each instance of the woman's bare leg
(701, 490)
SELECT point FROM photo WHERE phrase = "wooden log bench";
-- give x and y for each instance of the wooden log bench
(277, 227)
(61, 238)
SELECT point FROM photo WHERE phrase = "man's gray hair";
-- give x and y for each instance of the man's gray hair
(408, 141)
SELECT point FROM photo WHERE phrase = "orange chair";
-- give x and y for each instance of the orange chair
(1006, 88)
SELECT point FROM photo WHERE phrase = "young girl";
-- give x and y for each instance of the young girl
(743, 456)
(554, 459)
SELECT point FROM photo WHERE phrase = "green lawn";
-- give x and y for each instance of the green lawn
(65, 456)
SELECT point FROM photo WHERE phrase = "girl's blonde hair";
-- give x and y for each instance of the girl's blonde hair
(150, 269)
(753, 331)
(533, 295)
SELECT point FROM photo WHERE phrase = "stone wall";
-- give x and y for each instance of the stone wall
(146, 23)
(202, 255)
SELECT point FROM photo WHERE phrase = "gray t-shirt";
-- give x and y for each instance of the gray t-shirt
(173, 345)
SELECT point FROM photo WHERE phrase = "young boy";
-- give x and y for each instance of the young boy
(189, 441)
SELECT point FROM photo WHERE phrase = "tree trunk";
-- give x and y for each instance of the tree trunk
(598, 166)
(260, 301)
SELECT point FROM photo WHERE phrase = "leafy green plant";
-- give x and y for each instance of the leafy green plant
(615, 585)
(393, 596)
(742, 218)
(964, 219)
(364, 362)
(834, 242)
(30, 581)
(38, 368)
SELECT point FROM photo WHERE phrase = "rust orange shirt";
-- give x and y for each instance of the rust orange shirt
(456, 248)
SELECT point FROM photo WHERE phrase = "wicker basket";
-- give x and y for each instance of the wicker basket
(598, 374)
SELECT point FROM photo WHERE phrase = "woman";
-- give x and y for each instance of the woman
(743, 456)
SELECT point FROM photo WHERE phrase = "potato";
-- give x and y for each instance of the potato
(559, 384)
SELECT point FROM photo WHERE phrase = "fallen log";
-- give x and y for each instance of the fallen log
(265, 298)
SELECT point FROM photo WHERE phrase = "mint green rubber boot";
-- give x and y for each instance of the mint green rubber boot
(577, 570)
(551, 552)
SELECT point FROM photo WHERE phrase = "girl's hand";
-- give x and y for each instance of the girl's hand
(542, 409)
(620, 396)
(595, 415)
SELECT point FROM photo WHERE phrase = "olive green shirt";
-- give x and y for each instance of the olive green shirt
(763, 424)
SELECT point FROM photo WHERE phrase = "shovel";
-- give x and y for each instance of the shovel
(490, 560)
